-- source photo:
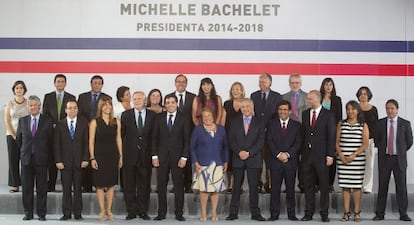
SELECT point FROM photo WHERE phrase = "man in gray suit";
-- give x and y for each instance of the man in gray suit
(394, 138)
(297, 99)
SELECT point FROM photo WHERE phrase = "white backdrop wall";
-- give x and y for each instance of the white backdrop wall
(367, 43)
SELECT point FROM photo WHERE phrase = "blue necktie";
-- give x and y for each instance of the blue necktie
(72, 130)
(170, 123)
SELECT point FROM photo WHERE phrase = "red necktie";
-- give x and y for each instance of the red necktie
(283, 128)
(390, 143)
(313, 123)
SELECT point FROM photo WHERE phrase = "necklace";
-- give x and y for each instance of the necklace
(15, 100)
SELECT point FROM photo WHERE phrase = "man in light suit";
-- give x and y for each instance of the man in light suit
(185, 101)
(319, 133)
(87, 104)
(54, 107)
(265, 103)
(246, 139)
(34, 137)
(137, 125)
(297, 99)
(394, 138)
(284, 140)
(71, 148)
(170, 151)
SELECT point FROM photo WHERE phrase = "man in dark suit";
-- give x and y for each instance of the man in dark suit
(34, 137)
(170, 151)
(54, 107)
(246, 139)
(265, 103)
(318, 132)
(87, 104)
(137, 125)
(185, 101)
(297, 98)
(71, 146)
(284, 140)
(394, 138)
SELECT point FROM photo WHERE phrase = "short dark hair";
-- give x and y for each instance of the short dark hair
(392, 101)
(171, 95)
(21, 83)
(181, 75)
(268, 76)
(120, 92)
(59, 75)
(369, 93)
(71, 100)
(285, 102)
(97, 77)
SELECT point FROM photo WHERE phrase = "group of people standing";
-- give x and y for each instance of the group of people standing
(206, 146)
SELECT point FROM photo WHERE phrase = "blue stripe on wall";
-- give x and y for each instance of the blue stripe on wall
(207, 44)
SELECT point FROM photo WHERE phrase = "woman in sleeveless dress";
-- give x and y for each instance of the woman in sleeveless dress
(105, 148)
(207, 97)
(351, 141)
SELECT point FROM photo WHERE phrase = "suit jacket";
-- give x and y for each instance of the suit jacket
(188, 104)
(84, 104)
(50, 105)
(404, 140)
(301, 104)
(136, 148)
(271, 105)
(320, 141)
(252, 142)
(291, 142)
(171, 145)
(71, 152)
(42, 141)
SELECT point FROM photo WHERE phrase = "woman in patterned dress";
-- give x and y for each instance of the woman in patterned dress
(351, 141)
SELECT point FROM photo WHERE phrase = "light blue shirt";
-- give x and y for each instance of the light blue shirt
(395, 133)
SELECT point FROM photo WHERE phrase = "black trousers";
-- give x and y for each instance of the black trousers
(400, 178)
(87, 178)
(72, 178)
(279, 172)
(14, 159)
(238, 176)
(52, 171)
(30, 174)
(162, 181)
(137, 181)
(316, 172)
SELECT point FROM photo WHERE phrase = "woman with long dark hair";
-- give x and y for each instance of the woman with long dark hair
(207, 97)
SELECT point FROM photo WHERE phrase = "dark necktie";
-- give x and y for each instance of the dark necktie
(34, 129)
(93, 106)
(170, 122)
(390, 143)
(140, 124)
(295, 106)
(72, 130)
(263, 102)
(313, 123)
(181, 104)
(283, 128)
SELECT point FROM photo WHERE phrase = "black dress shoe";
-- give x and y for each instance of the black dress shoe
(232, 217)
(258, 218)
(306, 218)
(42, 218)
(180, 218)
(377, 218)
(325, 219)
(65, 217)
(405, 218)
(293, 218)
(27, 217)
(144, 216)
(273, 218)
(78, 217)
(159, 217)
(130, 217)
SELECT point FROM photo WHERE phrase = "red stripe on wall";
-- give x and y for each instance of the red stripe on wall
(206, 68)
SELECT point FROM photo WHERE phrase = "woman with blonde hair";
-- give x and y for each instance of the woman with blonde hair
(105, 147)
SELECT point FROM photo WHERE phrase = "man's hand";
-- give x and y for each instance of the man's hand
(84, 164)
(181, 163)
(60, 166)
(155, 162)
(243, 154)
(329, 160)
